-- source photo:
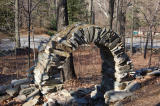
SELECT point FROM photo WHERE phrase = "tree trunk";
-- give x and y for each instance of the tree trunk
(121, 21)
(29, 32)
(62, 21)
(146, 45)
(150, 58)
(92, 19)
(62, 14)
(17, 36)
(111, 12)
(131, 46)
(117, 13)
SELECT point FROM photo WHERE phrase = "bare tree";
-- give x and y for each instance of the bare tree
(17, 36)
(150, 14)
(111, 12)
(29, 11)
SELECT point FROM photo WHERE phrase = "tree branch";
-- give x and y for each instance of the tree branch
(103, 8)
(36, 5)
(24, 8)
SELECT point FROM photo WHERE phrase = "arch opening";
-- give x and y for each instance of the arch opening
(87, 63)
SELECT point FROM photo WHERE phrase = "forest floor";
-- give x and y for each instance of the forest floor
(148, 95)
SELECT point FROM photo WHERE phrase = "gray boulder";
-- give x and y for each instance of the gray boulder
(12, 91)
(114, 96)
(133, 86)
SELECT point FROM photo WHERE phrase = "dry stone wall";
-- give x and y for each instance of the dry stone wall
(116, 65)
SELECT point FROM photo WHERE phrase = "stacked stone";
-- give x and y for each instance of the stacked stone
(52, 57)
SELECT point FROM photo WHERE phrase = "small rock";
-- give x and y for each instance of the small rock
(32, 102)
(61, 97)
(154, 73)
(21, 98)
(45, 104)
(27, 91)
(12, 91)
(47, 89)
(19, 82)
(65, 93)
(33, 94)
(3, 89)
(59, 87)
(45, 77)
(80, 100)
(114, 96)
(118, 104)
(133, 86)
(24, 86)
(143, 71)
(50, 102)
(96, 93)
(4, 97)
(80, 92)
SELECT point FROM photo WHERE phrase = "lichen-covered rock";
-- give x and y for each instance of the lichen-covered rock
(19, 82)
(27, 91)
(133, 86)
(12, 91)
(114, 96)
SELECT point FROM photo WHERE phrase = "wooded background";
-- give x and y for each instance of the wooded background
(20, 17)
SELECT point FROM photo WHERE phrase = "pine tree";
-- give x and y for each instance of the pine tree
(77, 11)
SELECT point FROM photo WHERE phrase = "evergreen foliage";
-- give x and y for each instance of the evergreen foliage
(77, 11)
(6, 16)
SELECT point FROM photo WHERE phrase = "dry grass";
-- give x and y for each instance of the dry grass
(139, 62)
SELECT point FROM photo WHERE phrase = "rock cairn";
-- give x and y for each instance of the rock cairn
(116, 65)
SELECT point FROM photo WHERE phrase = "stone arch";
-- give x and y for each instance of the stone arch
(115, 62)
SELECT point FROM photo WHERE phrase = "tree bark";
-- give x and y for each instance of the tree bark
(111, 12)
(131, 46)
(121, 21)
(92, 19)
(62, 14)
(146, 45)
(17, 36)
(150, 58)
(29, 31)
(117, 13)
